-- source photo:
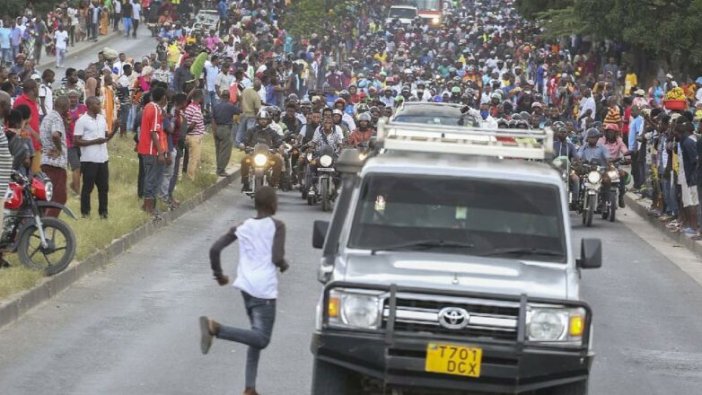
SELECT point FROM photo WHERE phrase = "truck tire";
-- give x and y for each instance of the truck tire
(330, 379)
(579, 388)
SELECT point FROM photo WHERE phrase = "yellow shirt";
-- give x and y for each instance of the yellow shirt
(630, 81)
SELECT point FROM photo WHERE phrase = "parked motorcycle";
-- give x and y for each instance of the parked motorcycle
(42, 243)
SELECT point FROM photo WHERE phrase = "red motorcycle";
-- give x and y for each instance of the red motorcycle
(42, 243)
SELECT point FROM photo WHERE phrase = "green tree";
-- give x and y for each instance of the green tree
(305, 17)
(659, 30)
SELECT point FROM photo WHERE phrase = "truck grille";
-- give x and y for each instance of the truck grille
(484, 319)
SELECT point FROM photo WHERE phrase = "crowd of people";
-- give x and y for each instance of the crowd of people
(246, 73)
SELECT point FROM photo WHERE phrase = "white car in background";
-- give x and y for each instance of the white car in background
(405, 13)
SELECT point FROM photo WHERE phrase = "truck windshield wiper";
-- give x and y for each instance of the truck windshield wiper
(424, 245)
(522, 251)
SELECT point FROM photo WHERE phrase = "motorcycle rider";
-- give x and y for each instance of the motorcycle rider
(261, 133)
(617, 150)
(363, 133)
(337, 118)
(328, 136)
(592, 151)
(563, 147)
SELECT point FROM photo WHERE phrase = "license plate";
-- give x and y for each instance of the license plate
(453, 359)
(325, 169)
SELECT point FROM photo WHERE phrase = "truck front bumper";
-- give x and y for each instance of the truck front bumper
(504, 368)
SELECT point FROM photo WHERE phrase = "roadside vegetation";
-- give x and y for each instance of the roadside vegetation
(125, 215)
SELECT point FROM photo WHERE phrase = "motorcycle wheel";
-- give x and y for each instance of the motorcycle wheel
(59, 253)
(258, 182)
(324, 192)
(612, 206)
(588, 212)
(309, 200)
(303, 191)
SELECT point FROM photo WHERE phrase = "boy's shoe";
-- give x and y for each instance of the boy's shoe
(206, 335)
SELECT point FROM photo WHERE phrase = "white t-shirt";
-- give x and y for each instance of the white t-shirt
(73, 14)
(136, 10)
(256, 273)
(61, 39)
(89, 128)
(48, 95)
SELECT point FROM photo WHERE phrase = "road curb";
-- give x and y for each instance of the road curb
(50, 60)
(639, 207)
(19, 304)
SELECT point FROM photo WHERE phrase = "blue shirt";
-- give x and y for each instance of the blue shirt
(5, 37)
(212, 72)
(635, 129)
(16, 37)
(598, 153)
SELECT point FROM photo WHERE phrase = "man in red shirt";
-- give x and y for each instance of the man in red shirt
(153, 147)
(30, 92)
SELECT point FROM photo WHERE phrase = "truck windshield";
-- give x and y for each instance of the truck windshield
(460, 215)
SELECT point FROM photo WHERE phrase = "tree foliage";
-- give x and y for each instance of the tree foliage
(668, 30)
(305, 17)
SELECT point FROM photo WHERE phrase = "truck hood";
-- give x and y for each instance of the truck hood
(459, 272)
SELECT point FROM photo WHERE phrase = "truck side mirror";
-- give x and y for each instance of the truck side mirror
(319, 233)
(590, 254)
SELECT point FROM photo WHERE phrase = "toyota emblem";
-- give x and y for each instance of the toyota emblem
(453, 317)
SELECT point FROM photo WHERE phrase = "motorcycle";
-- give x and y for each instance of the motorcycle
(562, 164)
(289, 175)
(42, 243)
(262, 172)
(609, 193)
(325, 190)
(590, 183)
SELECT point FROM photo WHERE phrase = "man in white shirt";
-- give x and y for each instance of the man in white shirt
(61, 40)
(261, 255)
(46, 94)
(211, 73)
(136, 16)
(587, 105)
(91, 136)
(118, 11)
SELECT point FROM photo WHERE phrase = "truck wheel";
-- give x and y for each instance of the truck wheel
(579, 388)
(329, 379)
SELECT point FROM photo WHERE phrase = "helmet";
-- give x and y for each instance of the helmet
(264, 114)
(362, 107)
(339, 100)
(592, 132)
(337, 112)
(558, 127)
(273, 110)
(364, 116)
(293, 97)
(305, 103)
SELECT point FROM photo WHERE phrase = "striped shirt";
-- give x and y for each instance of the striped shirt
(51, 123)
(5, 163)
(193, 114)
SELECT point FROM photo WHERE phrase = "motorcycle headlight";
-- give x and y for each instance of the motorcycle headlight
(325, 160)
(260, 160)
(554, 324)
(356, 309)
(435, 20)
(613, 175)
(594, 177)
(49, 190)
(309, 156)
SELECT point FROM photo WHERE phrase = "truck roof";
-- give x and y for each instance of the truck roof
(410, 163)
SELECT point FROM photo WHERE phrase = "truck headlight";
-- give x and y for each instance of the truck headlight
(325, 160)
(553, 324)
(260, 160)
(435, 20)
(356, 309)
(594, 177)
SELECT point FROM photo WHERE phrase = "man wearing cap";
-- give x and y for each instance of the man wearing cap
(592, 151)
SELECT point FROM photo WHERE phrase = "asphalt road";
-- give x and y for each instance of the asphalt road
(132, 327)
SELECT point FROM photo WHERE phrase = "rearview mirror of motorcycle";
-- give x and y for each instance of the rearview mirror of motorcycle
(590, 254)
